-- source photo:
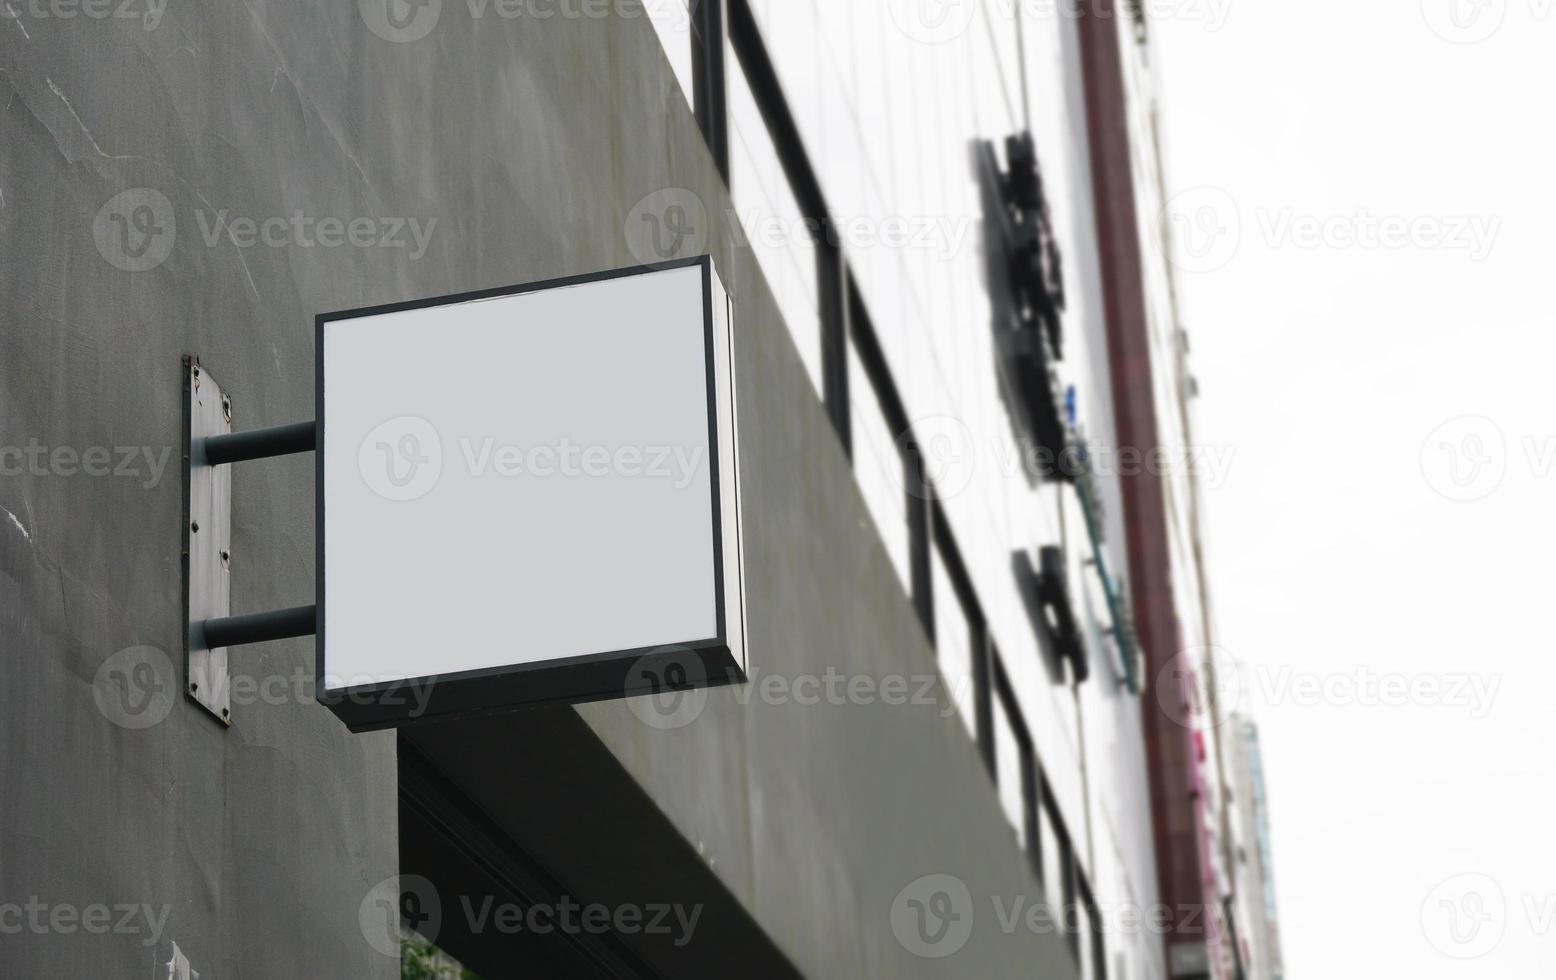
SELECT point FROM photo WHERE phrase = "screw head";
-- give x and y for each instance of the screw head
(194, 526)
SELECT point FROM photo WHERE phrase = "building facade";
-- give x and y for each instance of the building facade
(979, 735)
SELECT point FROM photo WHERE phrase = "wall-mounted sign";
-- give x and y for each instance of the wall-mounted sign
(528, 495)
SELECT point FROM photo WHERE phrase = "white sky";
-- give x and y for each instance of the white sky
(1328, 369)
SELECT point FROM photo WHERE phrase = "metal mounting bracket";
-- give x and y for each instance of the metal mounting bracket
(207, 541)
(210, 446)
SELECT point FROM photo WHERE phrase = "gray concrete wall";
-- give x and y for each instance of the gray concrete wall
(528, 142)
(257, 844)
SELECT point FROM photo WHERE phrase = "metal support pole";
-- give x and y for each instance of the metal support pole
(278, 440)
(279, 624)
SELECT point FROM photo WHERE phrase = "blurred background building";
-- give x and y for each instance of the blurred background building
(966, 431)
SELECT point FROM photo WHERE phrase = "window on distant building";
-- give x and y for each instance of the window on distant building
(1008, 767)
(878, 467)
(770, 217)
(952, 643)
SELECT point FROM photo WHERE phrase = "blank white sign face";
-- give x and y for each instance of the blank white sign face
(518, 479)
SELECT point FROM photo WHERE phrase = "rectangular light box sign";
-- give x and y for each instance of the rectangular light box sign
(528, 495)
